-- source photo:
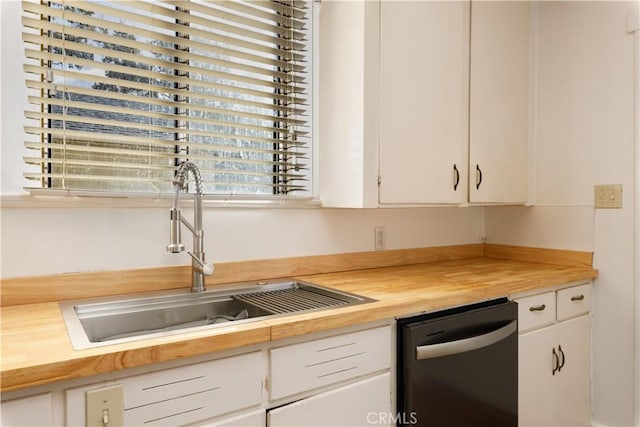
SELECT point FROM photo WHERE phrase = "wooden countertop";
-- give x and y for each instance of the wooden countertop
(36, 349)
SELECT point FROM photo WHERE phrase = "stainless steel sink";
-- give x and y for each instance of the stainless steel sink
(104, 321)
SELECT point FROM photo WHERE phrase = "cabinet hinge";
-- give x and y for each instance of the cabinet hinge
(379, 179)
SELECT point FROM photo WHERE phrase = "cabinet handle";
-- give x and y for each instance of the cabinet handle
(538, 308)
(555, 361)
(563, 358)
(577, 298)
(456, 177)
(478, 177)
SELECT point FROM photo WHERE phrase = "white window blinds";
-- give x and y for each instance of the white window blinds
(126, 90)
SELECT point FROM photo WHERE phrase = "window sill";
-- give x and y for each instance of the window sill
(67, 200)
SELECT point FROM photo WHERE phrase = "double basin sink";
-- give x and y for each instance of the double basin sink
(104, 321)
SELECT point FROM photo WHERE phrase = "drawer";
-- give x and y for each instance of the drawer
(574, 301)
(182, 395)
(362, 403)
(192, 393)
(305, 366)
(536, 311)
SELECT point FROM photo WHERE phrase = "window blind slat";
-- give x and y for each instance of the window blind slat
(158, 48)
(140, 125)
(280, 13)
(203, 100)
(141, 153)
(271, 25)
(151, 180)
(168, 169)
(234, 83)
(298, 77)
(164, 31)
(277, 27)
(146, 141)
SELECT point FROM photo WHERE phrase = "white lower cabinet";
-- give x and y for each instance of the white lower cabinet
(27, 411)
(554, 357)
(363, 403)
(339, 380)
(362, 358)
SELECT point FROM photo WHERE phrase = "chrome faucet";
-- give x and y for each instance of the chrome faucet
(200, 268)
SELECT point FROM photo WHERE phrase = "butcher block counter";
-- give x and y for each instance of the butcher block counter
(36, 349)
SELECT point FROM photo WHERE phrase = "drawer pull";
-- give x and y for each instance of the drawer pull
(577, 298)
(538, 307)
(556, 361)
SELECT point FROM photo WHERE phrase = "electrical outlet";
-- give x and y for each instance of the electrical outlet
(105, 407)
(380, 238)
(608, 196)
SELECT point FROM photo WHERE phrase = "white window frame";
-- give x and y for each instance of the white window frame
(49, 198)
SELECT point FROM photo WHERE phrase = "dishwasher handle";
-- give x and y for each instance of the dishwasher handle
(460, 346)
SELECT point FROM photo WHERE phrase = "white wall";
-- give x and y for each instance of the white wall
(39, 241)
(585, 120)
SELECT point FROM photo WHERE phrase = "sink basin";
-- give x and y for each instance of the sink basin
(104, 321)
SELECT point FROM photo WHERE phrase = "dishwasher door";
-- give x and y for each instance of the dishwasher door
(459, 367)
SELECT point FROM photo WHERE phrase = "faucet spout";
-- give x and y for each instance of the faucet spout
(199, 268)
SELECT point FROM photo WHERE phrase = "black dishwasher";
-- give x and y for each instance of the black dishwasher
(459, 367)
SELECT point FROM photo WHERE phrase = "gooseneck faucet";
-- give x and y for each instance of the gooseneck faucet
(200, 268)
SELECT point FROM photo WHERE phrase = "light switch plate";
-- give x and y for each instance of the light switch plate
(608, 196)
(105, 407)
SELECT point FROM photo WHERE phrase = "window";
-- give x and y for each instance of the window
(124, 91)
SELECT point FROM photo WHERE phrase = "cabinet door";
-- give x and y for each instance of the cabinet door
(251, 419)
(536, 382)
(498, 118)
(562, 398)
(574, 387)
(363, 403)
(424, 80)
(27, 411)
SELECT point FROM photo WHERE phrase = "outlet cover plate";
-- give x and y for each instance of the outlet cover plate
(380, 238)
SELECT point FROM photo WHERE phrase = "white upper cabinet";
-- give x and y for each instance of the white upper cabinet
(499, 87)
(420, 102)
(424, 84)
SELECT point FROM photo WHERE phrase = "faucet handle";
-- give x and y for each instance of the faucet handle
(206, 268)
